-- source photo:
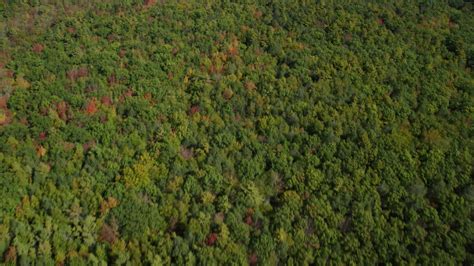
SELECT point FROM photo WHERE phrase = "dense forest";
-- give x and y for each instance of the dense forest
(236, 132)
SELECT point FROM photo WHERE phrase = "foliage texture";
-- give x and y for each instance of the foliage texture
(236, 132)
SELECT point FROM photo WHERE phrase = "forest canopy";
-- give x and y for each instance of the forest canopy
(236, 132)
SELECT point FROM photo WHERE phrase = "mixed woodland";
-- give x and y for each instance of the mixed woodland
(236, 132)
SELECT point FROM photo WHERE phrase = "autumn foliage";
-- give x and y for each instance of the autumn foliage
(91, 106)
(77, 73)
(106, 100)
(149, 3)
(38, 48)
(211, 239)
(194, 109)
(62, 110)
(107, 234)
(157, 132)
(5, 113)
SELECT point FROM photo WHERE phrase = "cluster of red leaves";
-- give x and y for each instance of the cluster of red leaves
(88, 145)
(128, 93)
(108, 234)
(233, 51)
(91, 106)
(253, 259)
(249, 220)
(248, 217)
(74, 74)
(149, 3)
(62, 110)
(234, 48)
(9, 73)
(42, 136)
(38, 48)
(106, 100)
(211, 239)
(194, 109)
(186, 153)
